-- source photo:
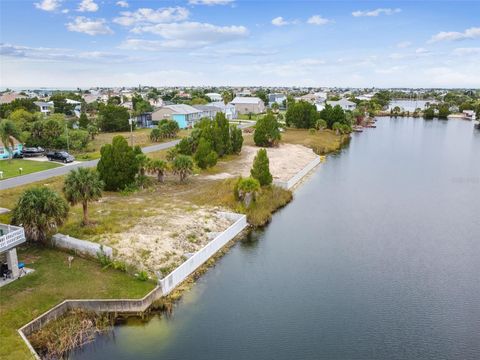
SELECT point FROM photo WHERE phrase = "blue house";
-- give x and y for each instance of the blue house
(185, 115)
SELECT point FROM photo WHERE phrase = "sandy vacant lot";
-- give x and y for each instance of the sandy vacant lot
(162, 242)
(285, 161)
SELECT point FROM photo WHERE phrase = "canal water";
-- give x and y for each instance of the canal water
(377, 257)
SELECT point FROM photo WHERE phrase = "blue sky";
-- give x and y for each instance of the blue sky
(55, 43)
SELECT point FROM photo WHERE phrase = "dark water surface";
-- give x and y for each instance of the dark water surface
(378, 257)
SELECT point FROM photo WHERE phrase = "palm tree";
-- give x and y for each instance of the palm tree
(40, 210)
(8, 134)
(82, 186)
(143, 163)
(158, 167)
(182, 166)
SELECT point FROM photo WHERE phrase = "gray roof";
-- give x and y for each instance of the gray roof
(183, 109)
(205, 107)
(246, 100)
(342, 101)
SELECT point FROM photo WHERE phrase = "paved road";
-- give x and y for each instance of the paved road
(62, 170)
(42, 175)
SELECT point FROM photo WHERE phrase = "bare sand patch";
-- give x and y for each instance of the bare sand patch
(162, 242)
(285, 161)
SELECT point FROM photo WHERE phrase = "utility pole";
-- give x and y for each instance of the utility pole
(131, 129)
(68, 143)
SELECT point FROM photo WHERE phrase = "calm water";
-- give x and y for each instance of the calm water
(378, 257)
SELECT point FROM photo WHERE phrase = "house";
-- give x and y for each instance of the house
(7, 98)
(276, 99)
(90, 98)
(10, 237)
(469, 114)
(208, 111)
(214, 96)
(246, 105)
(185, 115)
(311, 98)
(144, 120)
(77, 106)
(229, 110)
(45, 107)
(344, 104)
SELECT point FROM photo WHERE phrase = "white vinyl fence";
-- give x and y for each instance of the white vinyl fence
(169, 282)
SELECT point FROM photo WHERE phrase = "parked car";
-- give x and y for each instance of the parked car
(62, 156)
(18, 155)
(33, 151)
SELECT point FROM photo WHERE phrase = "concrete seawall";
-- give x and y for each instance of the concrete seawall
(298, 176)
(164, 287)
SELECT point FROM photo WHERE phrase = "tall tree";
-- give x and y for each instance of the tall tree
(302, 115)
(113, 118)
(40, 210)
(158, 167)
(83, 185)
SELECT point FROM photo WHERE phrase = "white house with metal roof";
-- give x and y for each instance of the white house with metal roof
(246, 105)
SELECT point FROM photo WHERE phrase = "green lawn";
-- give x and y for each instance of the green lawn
(51, 283)
(10, 168)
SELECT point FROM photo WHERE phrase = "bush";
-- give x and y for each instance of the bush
(246, 190)
(40, 210)
(113, 118)
(182, 166)
(312, 131)
(302, 115)
(261, 168)
(205, 156)
(118, 164)
(236, 139)
(155, 135)
(266, 132)
(321, 124)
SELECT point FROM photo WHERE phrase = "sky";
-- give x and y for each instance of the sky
(87, 43)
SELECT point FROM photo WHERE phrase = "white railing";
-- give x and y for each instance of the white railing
(13, 236)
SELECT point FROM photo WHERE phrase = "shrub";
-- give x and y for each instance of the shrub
(155, 135)
(321, 124)
(182, 166)
(302, 115)
(236, 139)
(246, 190)
(312, 131)
(266, 132)
(205, 156)
(261, 168)
(118, 164)
(40, 210)
(113, 118)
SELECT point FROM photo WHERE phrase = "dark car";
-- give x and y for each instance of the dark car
(62, 156)
(17, 155)
(33, 151)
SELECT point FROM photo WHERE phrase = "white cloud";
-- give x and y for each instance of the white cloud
(471, 33)
(404, 44)
(318, 20)
(87, 6)
(122, 4)
(376, 12)
(48, 5)
(210, 2)
(189, 34)
(421, 50)
(55, 54)
(467, 51)
(279, 21)
(146, 15)
(88, 26)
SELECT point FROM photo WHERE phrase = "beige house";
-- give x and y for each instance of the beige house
(246, 105)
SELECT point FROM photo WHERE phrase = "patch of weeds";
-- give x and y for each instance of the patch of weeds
(192, 238)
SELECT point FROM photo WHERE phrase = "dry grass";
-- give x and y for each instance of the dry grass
(321, 141)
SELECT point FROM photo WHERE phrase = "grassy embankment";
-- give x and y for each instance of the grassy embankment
(11, 168)
(51, 283)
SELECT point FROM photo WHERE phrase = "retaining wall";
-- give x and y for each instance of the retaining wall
(82, 246)
(165, 286)
(178, 275)
(298, 176)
